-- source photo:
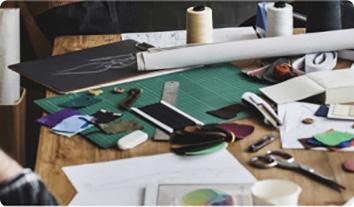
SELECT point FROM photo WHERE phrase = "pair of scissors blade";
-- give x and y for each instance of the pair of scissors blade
(321, 178)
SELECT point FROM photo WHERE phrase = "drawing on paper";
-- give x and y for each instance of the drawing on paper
(100, 65)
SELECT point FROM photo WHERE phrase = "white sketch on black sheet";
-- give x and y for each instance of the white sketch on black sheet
(100, 65)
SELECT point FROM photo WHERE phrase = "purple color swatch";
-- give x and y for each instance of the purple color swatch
(53, 119)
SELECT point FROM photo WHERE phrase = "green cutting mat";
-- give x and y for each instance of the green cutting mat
(201, 90)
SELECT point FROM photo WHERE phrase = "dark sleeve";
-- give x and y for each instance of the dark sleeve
(25, 189)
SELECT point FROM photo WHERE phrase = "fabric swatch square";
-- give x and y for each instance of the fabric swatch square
(55, 118)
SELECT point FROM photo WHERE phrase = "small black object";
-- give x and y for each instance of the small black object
(205, 137)
(322, 111)
(280, 4)
(194, 148)
(103, 117)
(143, 46)
(199, 8)
(261, 143)
(228, 112)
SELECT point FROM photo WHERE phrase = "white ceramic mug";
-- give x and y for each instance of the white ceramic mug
(275, 192)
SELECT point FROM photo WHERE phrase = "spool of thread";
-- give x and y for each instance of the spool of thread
(279, 19)
(324, 16)
(199, 24)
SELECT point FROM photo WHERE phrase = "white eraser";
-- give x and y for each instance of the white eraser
(132, 140)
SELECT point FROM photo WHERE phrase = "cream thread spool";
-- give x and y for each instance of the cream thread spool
(279, 19)
(199, 24)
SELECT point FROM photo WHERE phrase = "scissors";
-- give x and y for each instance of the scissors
(286, 161)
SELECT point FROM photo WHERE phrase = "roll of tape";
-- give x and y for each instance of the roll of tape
(279, 19)
(316, 62)
(199, 24)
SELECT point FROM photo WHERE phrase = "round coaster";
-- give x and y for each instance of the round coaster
(348, 165)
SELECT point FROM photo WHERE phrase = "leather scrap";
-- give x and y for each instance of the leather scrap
(228, 112)
(348, 165)
(241, 131)
(120, 126)
(53, 119)
(103, 116)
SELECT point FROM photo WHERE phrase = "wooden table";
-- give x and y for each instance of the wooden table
(55, 152)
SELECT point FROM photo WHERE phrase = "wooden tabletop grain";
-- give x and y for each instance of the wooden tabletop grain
(55, 152)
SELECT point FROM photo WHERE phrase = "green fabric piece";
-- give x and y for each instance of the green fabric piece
(80, 102)
(333, 138)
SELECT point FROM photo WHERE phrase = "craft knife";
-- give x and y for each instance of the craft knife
(169, 95)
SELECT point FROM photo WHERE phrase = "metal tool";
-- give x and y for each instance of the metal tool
(169, 95)
(287, 161)
(264, 141)
(133, 95)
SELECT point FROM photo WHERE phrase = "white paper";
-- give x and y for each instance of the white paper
(134, 174)
(293, 129)
(248, 49)
(9, 54)
(115, 196)
(177, 38)
(346, 54)
(295, 89)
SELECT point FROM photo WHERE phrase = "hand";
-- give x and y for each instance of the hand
(8, 168)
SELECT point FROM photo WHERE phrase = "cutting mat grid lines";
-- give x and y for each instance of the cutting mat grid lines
(201, 90)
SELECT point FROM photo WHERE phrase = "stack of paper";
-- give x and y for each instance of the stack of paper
(123, 182)
(333, 86)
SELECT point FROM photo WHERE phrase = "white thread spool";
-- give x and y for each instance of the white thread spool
(199, 24)
(279, 19)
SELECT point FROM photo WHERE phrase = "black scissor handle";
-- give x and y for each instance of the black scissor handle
(263, 162)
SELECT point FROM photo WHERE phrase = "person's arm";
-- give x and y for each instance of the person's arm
(20, 186)
(8, 168)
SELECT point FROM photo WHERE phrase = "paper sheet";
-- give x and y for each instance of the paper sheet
(176, 38)
(248, 49)
(9, 54)
(293, 129)
(100, 180)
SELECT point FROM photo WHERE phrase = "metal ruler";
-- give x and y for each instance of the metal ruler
(169, 95)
